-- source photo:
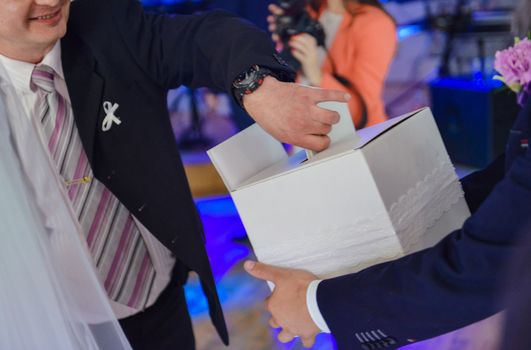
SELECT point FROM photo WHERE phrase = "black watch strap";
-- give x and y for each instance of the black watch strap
(249, 81)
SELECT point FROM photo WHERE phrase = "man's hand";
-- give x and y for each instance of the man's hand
(287, 303)
(289, 112)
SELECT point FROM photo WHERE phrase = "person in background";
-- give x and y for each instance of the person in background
(360, 42)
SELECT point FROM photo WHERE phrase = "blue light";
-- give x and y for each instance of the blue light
(222, 224)
(467, 84)
(150, 3)
(406, 31)
(216, 206)
(196, 300)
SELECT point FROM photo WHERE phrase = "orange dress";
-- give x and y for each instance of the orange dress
(362, 51)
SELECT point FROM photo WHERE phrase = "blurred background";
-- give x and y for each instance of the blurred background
(444, 60)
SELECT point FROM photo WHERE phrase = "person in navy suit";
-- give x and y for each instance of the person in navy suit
(455, 283)
(517, 295)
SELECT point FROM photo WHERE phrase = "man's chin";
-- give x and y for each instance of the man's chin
(49, 38)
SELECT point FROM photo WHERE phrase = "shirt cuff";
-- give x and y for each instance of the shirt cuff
(313, 308)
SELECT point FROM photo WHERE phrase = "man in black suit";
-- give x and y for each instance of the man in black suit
(455, 283)
(93, 75)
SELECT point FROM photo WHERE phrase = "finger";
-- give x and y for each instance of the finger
(297, 39)
(263, 271)
(274, 9)
(319, 122)
(298, 45)
(285, 336)
(275, 37)
(273, 323)
(325, 129)
(271, 19)
(298, 55)
(315, 143)
(324, 116)
(307, 39)
(320, 129)
(321, 95)
(311, 40)
(308, 342)
(267, 302)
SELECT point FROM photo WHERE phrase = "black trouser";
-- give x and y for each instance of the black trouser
(166, 325)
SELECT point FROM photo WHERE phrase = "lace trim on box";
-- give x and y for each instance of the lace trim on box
(433, 196)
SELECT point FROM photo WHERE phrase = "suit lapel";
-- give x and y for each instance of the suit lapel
(85, 88)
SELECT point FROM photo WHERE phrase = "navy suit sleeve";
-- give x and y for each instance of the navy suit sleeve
(210, 49)
(437, 290)
(478, 185)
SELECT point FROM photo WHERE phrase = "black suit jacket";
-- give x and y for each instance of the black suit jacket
(115, 52)
(453, 284)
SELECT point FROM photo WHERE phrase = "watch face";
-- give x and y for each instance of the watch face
(248, 78)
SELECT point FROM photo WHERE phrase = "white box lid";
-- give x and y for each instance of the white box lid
(253, 156)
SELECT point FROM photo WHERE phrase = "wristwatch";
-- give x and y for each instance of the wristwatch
(249, 81)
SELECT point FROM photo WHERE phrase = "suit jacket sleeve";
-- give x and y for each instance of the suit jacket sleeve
(479, 184)
(195, 50)
(443, 288)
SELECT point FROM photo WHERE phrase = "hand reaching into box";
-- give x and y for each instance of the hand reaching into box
(289, 112)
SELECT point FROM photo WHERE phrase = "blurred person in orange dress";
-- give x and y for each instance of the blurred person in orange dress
(341, 44)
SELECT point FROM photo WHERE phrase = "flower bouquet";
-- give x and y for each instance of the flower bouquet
(514, 66)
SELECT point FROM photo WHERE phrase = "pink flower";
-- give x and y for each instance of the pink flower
(514, 66)
(514, 63)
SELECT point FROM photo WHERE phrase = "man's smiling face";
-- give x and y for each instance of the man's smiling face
(30, 28)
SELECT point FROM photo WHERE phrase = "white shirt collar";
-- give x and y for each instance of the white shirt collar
(19, 72)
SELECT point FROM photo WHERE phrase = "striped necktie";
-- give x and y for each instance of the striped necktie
(113, 238)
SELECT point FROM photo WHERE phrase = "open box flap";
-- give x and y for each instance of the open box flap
(370, 133)
(245, 154)
(253, 156)
(253, 150)
(298, 161)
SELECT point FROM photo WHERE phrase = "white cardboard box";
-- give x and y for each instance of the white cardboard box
(374, 195)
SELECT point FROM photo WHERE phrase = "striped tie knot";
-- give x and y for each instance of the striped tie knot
(42, 77)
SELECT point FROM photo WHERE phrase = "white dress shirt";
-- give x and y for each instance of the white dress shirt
(16, 86)
(313, 307)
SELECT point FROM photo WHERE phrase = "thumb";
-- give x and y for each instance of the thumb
(262, 271)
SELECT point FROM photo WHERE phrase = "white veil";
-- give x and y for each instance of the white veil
(50, 297)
